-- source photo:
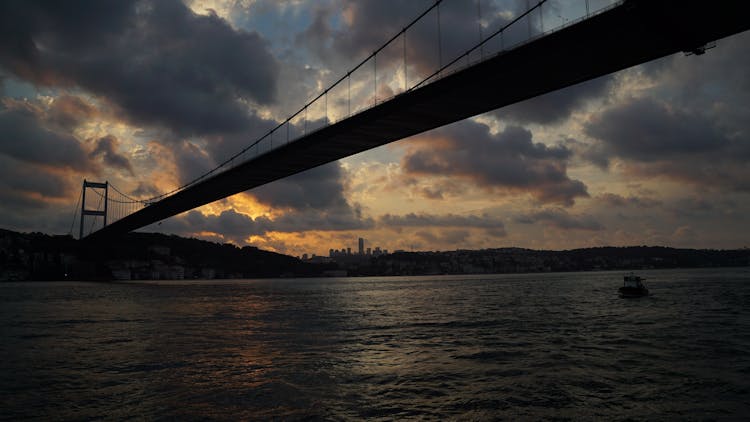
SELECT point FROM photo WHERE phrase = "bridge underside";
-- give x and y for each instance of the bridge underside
(631, 34)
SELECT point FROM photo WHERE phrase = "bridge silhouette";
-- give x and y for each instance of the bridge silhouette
(551, 45)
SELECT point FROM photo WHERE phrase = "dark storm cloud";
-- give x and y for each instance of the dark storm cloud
(191, 160)
(222, 147)
(29, 181)
(23, 136)
(373, 22)
(106, 149)
(656, 139)
(509, 160)
(337, 219)
(716, 78)
(370, 23)
(156, 60)
(31, 197)
(693, 125)
(145, 190)
(646, 130)
(561, 219)
(694, 207)
(38, 156)
(319, 35)
(318, 188)
(35, 219)
(555, 106)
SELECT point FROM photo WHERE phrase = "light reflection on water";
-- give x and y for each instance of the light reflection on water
(474, 347)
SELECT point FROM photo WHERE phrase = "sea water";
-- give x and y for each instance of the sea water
(479, 347)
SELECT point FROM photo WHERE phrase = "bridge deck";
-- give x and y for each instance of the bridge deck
(633, 33)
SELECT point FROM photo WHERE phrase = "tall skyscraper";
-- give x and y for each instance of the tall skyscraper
(361, 246)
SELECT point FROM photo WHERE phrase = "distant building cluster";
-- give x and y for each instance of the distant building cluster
(362, 251)
(346, 254)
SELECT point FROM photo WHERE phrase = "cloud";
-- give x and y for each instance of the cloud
(647, 130)
(657, 139)
(106, 148)
(449, 237)
(29, 181)
(68, 111)
(145, 190)
(35, 197)
(697, 207)
(618, 201)
(23, 136)
(191, 160)
(313, 200)
(508, 160)
(371, 22)
(221, 147)
(238, 226)
(556, 106)
(320, 188)
(446, 220)
(561, 219)
(157, 61)
(338, 34)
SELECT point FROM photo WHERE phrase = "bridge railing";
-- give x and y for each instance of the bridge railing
(447, 37)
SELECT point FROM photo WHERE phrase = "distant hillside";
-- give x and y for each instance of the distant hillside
(151, 256)
(518, 260)
(36, 256)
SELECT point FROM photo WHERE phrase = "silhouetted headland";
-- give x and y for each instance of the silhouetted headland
(140, 256)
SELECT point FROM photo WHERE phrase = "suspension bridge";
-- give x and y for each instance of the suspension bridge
(401, 90)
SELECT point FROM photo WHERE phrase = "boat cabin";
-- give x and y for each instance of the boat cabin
(633, 281)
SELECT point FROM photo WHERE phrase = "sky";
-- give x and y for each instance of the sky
(149, 94)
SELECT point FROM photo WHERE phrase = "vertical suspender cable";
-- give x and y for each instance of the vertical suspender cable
(440, 42)
(349, 98)
(528, 17)
(406, 84)
(375, 74)
(75, 212)
(93, 220)
(541, 18)
(479, 24)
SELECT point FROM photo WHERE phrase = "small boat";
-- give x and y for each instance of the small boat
(632, 286)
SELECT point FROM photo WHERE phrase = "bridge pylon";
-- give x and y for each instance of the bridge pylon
(96, 212)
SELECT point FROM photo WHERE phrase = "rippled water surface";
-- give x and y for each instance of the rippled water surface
(511, 347)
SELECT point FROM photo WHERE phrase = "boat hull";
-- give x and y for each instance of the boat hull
(632, 292)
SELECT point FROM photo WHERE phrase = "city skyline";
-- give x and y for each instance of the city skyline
(346, 251)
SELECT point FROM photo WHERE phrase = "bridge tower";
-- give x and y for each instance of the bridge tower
(96, 212)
